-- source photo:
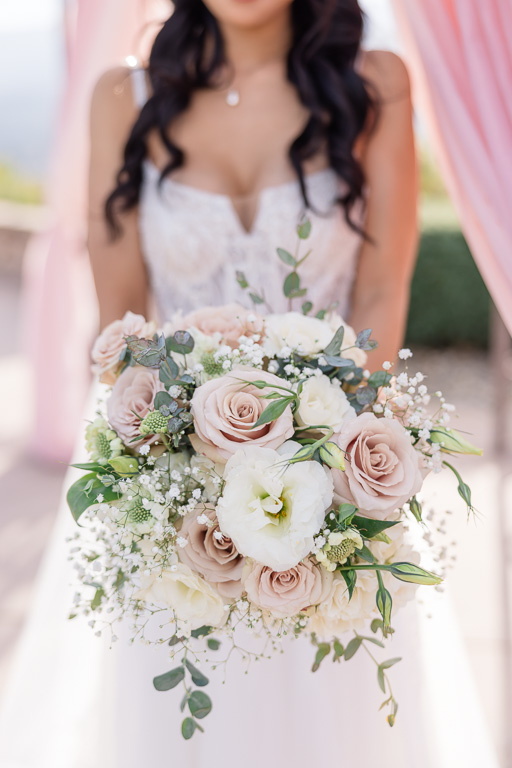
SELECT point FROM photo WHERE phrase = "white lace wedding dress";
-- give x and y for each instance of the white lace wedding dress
(74, 703)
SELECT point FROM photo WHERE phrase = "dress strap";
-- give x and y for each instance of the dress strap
(139, 82)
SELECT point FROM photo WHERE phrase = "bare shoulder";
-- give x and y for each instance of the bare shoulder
(112, 102)
(388, 74)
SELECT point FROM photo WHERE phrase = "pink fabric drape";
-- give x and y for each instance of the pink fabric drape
(59, 300)
(460, 56)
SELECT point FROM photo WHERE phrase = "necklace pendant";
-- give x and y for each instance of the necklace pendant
(233, 97)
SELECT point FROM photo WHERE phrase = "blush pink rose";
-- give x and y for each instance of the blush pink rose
(225, 411)
(382, 469)
(111, 342)
(230, 321)
(216, 559)
(131, 400)
(284, 593)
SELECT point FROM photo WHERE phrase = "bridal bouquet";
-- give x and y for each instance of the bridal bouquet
(247, 473)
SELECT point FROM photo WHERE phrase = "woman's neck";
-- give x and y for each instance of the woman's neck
(250, 49)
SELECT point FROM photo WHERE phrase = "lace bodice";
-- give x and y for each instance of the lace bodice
(194, 243)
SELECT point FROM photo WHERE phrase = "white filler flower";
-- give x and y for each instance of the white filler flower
(323, 403)
(271, 510)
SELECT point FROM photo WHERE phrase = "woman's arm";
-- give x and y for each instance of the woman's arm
(380, 296)
(118, 267)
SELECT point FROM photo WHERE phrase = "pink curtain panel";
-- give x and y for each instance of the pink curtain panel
(59, 301)
(460, 56)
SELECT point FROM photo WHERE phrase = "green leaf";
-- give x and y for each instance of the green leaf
(83, 493)
(287, 257)
(162, 398)
(366, 395)
(321, 314)
(307, 307)
(256, 299)
(379, 379)
(365, 554)
(147, 352)
(201, 631)
(182, 343)
(363, 337)
(381, 680)
(199, 704)
(350, 577)
(213, 644)
(338, 649)
(352, 648)
(324, 650)
(413, 574)
(304, 229)
(184, 702)
(291, 284)
(390, 662)
(125, 465)
(91, 466)
(334, 346)
(373, 640)
(345, 511)
(197, 676)
(168, 371)
(369, 528)
(339, 362)
(376, 625)
(242, 280)
(98, 597)
(169, 679)
(175, 640)
(273, 411)
(188, 727)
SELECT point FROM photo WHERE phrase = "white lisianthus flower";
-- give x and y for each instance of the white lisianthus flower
(271, 511)
(348, 349)
(307, 335)
(337, 614)
(321, 402)
(194, 602)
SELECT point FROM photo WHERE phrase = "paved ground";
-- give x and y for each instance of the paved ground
(30, 492)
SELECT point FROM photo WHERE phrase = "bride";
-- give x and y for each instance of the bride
(250, 113)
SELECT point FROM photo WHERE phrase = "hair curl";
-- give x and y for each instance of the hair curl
(326, 38)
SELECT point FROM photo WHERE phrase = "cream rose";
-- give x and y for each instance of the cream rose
(272, 513)
(337, 614)
(226, 409)
(284, 593)
(382, 469)
(348, 349)
(322, 402)
(214, 557)
(229, 322)
(111, 342)
(194, 602)
(307, 335)
(131, 399)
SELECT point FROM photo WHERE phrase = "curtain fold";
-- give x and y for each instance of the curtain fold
(58, 297)
(460, 59)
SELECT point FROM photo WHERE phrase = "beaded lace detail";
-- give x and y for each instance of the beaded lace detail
(194, 243)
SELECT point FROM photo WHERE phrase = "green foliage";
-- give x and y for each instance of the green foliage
(85, 491)
(170, 679)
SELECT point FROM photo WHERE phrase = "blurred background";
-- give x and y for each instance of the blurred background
(453, 330)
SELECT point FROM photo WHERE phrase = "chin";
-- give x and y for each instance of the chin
(247, 13)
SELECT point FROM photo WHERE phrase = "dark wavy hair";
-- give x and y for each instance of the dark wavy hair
(187, 54)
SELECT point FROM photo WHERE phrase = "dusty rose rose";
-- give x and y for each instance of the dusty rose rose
(111, 341)
(382, 469)
(225, 411)
(284, 593)
(230, 321)
(131, 399)
(217, 560)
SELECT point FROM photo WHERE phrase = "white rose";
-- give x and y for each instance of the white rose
(272, 512)
(337, 614)
(348, 349)
(322, 402)
(307, 335)
(194, 602)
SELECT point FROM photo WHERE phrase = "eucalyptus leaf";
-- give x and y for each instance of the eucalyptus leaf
(182, 343)
(381, 680)
(188, 727)
(363, 337)
(390, 662)
(168, 371)
(242, 280)
(324, 650)
(339, 362)
(307, 307)
(379, 379)
(201, 631)
(338, 649)
(213, 644)
(197, 676)
(256, 299)
(162, 399)
(352, 648)
(147, 352)
(334, 346)
(286, 257)
(291, 284)
(199, 704)
(304, 229)
(169, 679)
(366, 395)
